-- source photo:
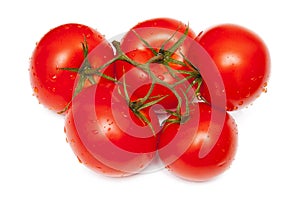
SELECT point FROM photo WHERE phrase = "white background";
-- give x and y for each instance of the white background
(37, 163)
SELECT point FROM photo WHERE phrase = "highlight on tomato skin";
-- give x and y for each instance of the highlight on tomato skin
(243, 60)
(201, 154)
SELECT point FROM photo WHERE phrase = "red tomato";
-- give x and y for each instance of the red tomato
(242, 59)
(160, 34)
(62, 47)
(106, 135)
(201, 148)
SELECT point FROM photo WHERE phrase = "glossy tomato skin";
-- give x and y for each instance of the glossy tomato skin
(203, 154)
(62, 47)
(155, 32)
(242, 59)
(106, 135)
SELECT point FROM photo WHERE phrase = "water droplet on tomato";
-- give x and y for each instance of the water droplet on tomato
(35, 90)
(95, 132)
(222, 164)
(79, 159)
(248, 95)
(265, 90)
(143, 76)
(168, 168)
(241, 103)
(109, 129)
(161, 77)
(54, 77)
(53, 89)
(72, 77)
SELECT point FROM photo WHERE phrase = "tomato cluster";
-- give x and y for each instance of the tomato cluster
(160, 91)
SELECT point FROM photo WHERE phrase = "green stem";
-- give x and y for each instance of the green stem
(163, 56)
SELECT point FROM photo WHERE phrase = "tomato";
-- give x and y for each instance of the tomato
(106, 135)
(243, 62)
(160, 34)
(201, 148)
(62, 47)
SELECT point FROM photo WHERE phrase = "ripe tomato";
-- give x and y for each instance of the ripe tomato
(62, 47)
(201, 148)
(106, 135)
(160, 34)
(242, 59)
